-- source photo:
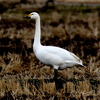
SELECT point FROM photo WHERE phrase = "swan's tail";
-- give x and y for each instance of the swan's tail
(75, 63)
(83, 65)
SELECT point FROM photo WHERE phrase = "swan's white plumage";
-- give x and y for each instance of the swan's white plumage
(55, 56)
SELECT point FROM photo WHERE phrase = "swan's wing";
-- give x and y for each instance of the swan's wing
(57, 51)
(78, 59)
(64, 54)
(51, 55)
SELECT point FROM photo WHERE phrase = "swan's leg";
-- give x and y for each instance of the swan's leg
(55, 74)
(55, 78)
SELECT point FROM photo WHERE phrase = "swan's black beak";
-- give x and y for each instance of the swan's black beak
(26, 17)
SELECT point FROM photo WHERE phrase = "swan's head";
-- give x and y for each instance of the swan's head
(32, 15)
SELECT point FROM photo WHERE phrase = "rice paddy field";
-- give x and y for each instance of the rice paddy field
(72, 27)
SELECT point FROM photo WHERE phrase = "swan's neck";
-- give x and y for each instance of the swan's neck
(37, 33)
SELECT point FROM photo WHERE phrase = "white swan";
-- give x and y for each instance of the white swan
(54, 56)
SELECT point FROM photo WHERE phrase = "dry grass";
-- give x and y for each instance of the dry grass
(24, 89)
(74, 28)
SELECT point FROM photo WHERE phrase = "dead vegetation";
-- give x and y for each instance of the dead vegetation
(22, 76)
